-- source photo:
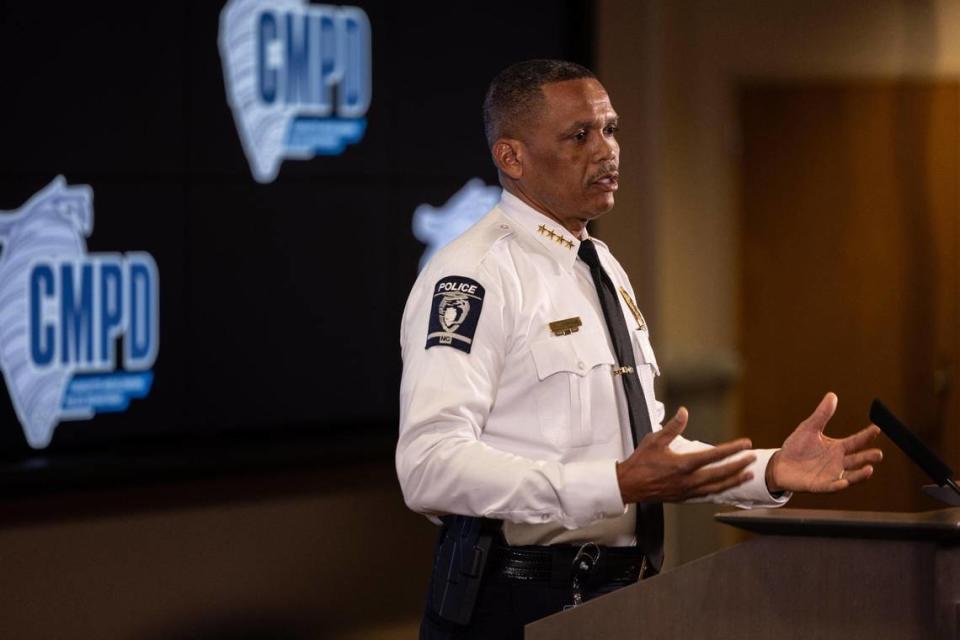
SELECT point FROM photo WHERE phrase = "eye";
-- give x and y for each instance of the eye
(580, 135)
(611, 129)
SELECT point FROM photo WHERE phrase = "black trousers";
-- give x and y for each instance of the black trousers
(505, 605)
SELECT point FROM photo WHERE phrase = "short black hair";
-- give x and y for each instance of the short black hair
(516, 92)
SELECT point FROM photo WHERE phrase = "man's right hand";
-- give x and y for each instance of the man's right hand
(654, 473)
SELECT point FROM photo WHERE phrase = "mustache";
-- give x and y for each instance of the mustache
(605, 169)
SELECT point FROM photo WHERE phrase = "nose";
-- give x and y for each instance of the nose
(607, 149)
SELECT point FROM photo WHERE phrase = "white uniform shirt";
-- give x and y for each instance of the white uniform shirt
(514, 422)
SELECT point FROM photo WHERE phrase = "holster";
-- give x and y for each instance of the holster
(463, 548)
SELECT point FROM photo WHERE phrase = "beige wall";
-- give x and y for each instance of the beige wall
(673, 68)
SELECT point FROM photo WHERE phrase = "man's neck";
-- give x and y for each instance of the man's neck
(577, 228)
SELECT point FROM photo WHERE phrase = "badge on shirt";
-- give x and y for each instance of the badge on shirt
(634, 309)
(454, 313)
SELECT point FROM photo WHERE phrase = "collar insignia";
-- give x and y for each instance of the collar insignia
(544, 230)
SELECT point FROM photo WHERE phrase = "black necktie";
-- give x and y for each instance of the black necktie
(649, 515)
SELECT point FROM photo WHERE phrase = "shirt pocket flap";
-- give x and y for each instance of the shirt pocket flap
(571, 354)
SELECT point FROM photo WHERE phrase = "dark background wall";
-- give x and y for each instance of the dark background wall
(252, 493)
(266, 289)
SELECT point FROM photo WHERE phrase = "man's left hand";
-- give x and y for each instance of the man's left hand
(810, 461)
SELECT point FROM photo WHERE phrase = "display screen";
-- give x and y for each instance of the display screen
(207, 210)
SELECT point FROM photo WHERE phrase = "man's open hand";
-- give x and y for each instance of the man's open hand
(810, 461)
(654, 473)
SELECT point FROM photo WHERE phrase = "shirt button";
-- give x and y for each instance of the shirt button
(504, 227)
(580, 365)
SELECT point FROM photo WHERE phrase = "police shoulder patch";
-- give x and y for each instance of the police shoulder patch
(457, 301)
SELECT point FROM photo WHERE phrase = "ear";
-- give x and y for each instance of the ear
(508, 155)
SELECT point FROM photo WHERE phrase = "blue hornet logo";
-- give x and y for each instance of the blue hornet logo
(63, 312)
(298, 78)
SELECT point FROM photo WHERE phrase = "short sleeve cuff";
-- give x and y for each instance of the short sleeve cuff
(591, 492)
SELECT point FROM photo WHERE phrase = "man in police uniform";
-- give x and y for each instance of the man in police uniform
(528, 378)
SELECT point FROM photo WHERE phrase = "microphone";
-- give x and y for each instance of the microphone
(911, 445)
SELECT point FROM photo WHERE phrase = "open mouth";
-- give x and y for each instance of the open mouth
(607, 182)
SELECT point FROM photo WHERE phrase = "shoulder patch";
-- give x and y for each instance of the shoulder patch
(457, 302)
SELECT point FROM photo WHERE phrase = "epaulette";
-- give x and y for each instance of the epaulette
(470, 249)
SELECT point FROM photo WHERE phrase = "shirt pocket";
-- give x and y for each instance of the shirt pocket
(568, 368)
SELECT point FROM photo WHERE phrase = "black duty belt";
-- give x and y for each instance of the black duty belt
(559, 564)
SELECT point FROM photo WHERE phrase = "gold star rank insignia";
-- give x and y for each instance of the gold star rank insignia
(544, 230)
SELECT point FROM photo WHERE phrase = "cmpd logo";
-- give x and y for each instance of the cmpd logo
(297, 77)
(63, 311)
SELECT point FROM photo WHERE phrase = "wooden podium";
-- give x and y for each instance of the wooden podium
(812, 574)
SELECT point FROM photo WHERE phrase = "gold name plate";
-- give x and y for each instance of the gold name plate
(565, 327)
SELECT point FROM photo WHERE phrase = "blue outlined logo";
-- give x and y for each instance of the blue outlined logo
(298, 78)
(63, 311)
(437, 226)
